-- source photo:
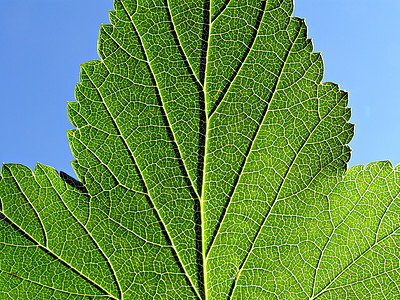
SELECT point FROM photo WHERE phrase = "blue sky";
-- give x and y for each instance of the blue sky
(43, 43)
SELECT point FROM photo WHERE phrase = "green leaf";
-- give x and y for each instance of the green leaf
(360, 256)
(211, 160)
(46, 248)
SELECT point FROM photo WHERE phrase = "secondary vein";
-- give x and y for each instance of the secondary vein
(333, 232)
(351, 264)
(142, 179)
(30, 204)
(233, 287)
(115, 277)
(225, 90)
(48, 251)
(161, 105)
(249, 149)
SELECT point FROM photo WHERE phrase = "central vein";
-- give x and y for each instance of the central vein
(204, 127)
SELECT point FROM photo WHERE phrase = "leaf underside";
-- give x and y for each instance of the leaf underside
(212, 165)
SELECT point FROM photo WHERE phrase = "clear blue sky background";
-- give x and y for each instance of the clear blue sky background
(44, 41)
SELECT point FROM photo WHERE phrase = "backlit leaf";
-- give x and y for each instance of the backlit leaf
(212, 162)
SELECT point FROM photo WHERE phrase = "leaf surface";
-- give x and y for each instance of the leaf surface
(212, 159)
(46, 248)
(360, 257)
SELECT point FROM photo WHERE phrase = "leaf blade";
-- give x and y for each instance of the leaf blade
(212, 159)
(75, 276)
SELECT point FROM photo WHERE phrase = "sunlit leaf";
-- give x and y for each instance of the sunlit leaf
(211, 159)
